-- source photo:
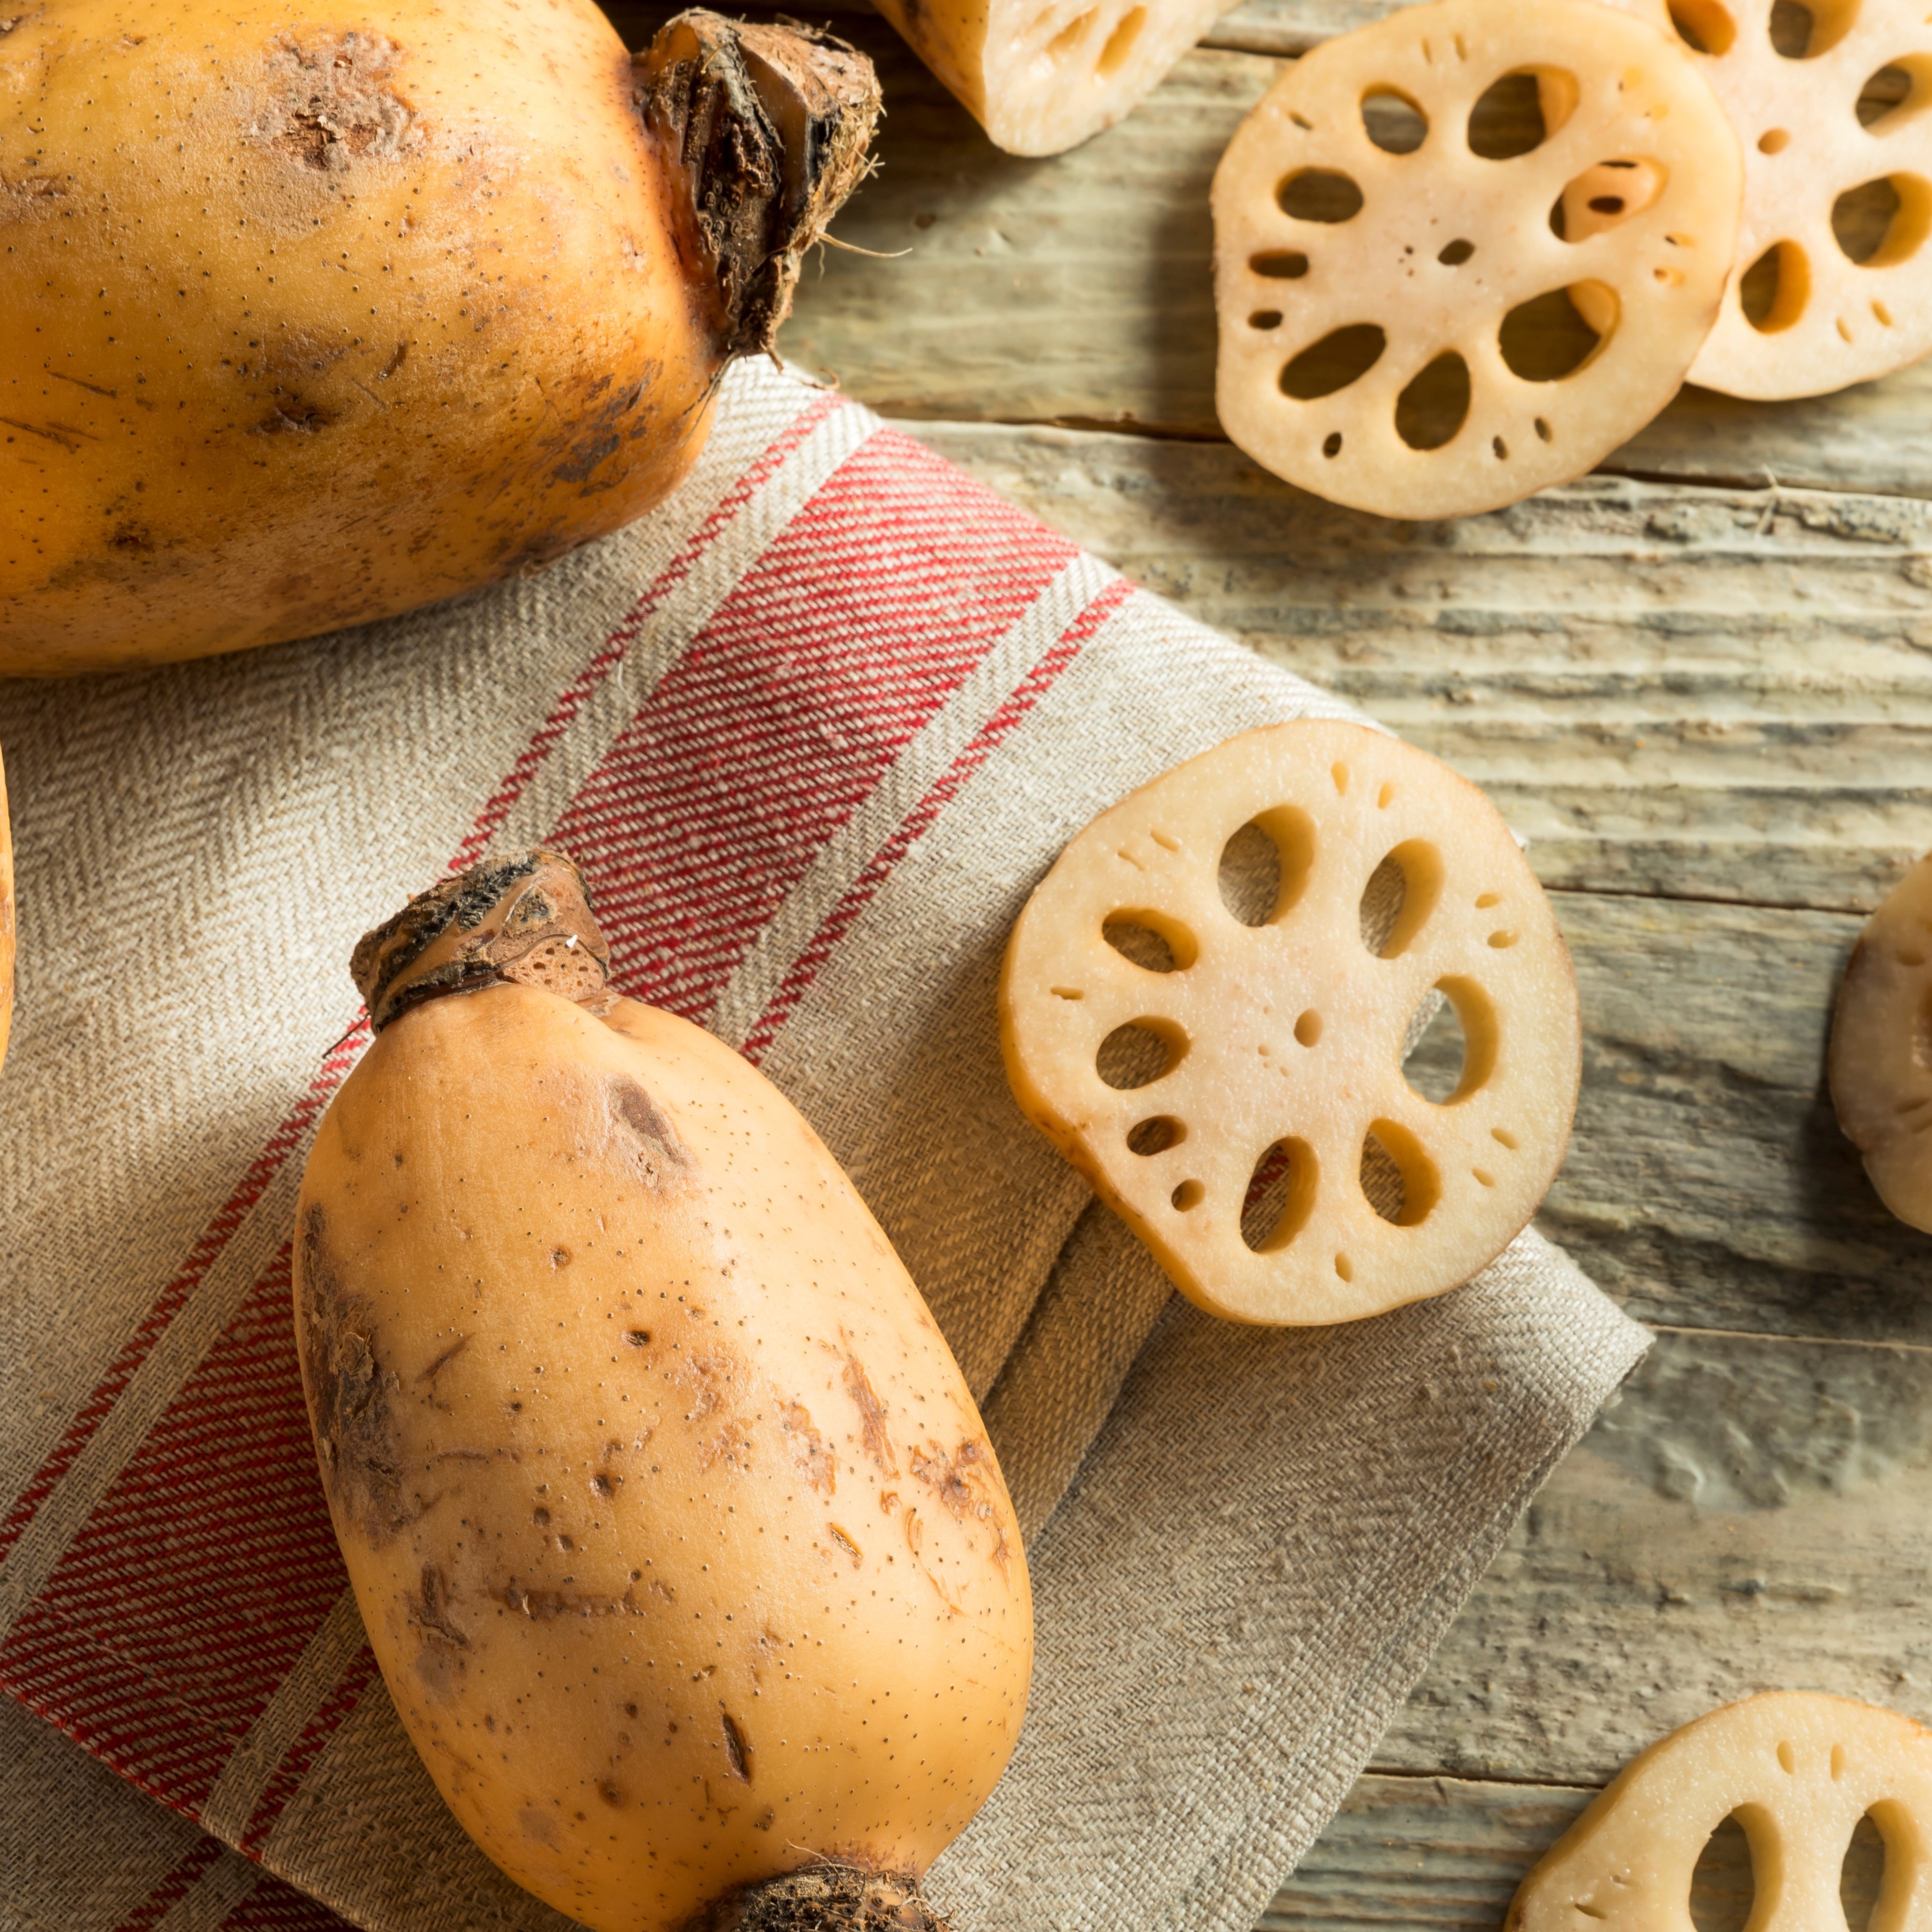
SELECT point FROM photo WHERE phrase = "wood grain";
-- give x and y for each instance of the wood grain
(1446, 1854)
(1668, 689)
(1098, 263)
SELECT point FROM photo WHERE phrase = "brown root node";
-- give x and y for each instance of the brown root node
(825, 1897)
(766, 127)
(524, 917)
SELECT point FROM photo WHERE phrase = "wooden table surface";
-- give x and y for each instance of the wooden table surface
(1700, 683)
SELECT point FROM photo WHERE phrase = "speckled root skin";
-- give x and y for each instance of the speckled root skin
(311, 319)
(672, 1523)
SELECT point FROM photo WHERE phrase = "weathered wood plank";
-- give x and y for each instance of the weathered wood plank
(1077, 290)
(1668, 689)
(1446, 1854)
(1751, 1515)
(1707, 1184)
(1423, 1854)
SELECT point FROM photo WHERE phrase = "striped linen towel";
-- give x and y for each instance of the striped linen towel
(812, 729)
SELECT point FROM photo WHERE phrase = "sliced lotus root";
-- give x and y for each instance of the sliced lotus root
(1405, 325)
(1205, 1006)
(1799, 1771)
(1042, 75)
(1881, 1060)
(1834, 281)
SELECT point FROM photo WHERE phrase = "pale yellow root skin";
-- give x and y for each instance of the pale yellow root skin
(1042, 75)
(311, 318)
(1799, 1770)
(1881, 1041)
(695, 1561)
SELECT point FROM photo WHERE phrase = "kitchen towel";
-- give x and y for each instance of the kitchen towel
(812, 729)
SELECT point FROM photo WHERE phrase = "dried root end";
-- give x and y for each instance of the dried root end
(826, 1898)
(766, 128)
(525, 916)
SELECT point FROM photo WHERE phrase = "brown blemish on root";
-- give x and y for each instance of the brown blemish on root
(352, 1398)
(659, 1155)
(952, 1477)
(871, 1416)
(429, 1376)
(810, 1452)
(293, 415)
(542, 1606)
(333, 103)
(737, 1752)
(826, 1893)
(537, 1825)
(846, 1542)
(429, 1608)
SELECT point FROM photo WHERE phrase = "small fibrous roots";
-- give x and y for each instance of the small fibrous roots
(828, 1896)
(764, 129)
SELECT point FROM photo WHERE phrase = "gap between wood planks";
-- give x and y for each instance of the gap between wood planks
(1757, 482)
(1860, 913)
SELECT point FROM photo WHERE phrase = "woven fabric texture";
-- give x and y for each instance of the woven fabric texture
(813, 730)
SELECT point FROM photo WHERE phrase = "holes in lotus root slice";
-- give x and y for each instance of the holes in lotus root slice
(1264, 867)
(1280, 265)
(1893, 95)
(1435, 402)
(1441, 139)
(1455, 1049)
(1723, 1882)
(1550, 337)
(1320, 194)
(1152, 940)
(1798, 30)
(1342, 357)
(1832, 280)
(1335, 886)
(1155, 1135)
(1703, 25)
(1398, 1179)
(1121, 43)
(1138, 1052)
(1882, 222)
(1401, 893)
(1393, 122)
(1516, 113)
(1775, 290)
(1790, 1809)
(1279, 1196)
(1602, 196)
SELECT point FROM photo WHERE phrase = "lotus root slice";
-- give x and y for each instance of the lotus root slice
(1881, 1057)
(1405, 324)
(1833, 280)
(1799, 1771)
(1206, 1003)
(1042, 75)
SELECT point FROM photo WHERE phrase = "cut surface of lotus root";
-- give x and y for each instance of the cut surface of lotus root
(1206, 1004)
(1833, 273)
(1881, 1056)
(1799, 1771)
(1042, 75)
(1405, 324)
